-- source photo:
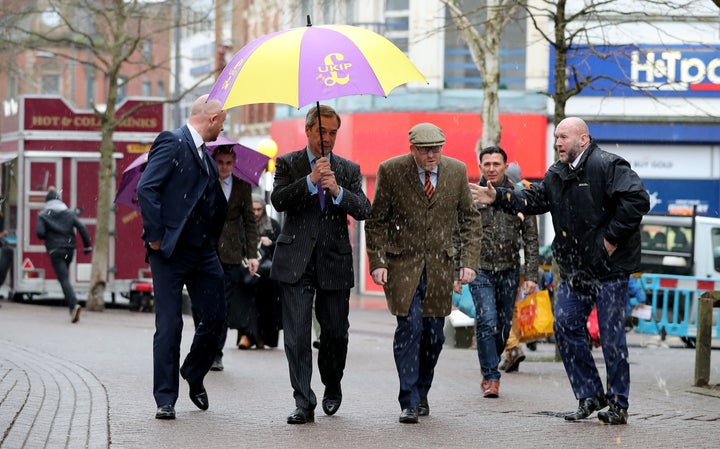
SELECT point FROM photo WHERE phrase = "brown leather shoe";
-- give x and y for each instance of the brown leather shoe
(483, 384)
(244, 342)
(513, 361)
(492, 389)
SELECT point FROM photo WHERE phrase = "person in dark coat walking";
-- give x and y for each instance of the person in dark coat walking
(183, 210)
(313, 258)
(56, 224)
(597, 203)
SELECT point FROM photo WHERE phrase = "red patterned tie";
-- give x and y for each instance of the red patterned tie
(429, 189)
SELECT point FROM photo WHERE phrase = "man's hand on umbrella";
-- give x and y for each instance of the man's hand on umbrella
(322, 166)
(329, 183)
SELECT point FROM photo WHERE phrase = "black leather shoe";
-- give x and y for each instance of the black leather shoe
(199, 396)
(409, 415)
(301, 416)
(423, 407)
(586, 408)
(331, 401)
(217, 365)
(165, 412)
(614, 415)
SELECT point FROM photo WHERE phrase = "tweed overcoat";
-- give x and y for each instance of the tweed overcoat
(406, 232)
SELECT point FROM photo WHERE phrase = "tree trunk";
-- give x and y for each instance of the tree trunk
(491, 78)
(98, 276)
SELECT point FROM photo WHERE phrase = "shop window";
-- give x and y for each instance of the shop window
(50, 84)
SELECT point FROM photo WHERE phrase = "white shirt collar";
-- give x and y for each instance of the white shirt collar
(197, 138)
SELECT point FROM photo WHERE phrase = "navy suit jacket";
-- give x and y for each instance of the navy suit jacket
(307, 228)
(173, 182)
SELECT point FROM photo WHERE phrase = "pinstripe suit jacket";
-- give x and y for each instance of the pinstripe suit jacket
(307, 228)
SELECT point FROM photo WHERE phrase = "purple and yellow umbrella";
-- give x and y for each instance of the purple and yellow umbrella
(310, 64)
(249, 166)
(314, 63)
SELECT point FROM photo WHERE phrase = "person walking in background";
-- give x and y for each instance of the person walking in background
(313, 258)
(183, 210)
(495, 288)
(238, 254)
(421, 198)
(267, 294)
(57, 224)
(597, 203)
(513, 349)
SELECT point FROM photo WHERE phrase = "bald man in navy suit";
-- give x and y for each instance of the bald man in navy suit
(183, 210)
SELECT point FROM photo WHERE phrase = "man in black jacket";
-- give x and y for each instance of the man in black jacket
(597, 202)
(56, 224)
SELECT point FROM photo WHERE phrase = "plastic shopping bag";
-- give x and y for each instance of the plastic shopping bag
(534, 317)
(464, 301)
(593, 328)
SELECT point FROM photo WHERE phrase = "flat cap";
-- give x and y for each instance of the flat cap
(426, 135)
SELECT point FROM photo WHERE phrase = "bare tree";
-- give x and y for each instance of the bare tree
(483, 40)
(107, 37)
(573, 24)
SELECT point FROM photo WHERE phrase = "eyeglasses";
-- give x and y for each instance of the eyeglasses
(426, 150)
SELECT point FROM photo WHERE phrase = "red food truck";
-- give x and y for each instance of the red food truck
(45, 142)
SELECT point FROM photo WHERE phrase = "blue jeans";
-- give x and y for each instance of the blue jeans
(571, 310)
(494, 294)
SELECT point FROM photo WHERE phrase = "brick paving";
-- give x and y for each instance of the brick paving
(89, 385)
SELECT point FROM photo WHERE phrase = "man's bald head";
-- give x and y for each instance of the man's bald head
(572, 136)
(207, 118)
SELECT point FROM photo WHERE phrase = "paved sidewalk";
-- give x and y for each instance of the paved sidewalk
(90, 385)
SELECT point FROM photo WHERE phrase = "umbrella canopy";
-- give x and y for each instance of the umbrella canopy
(127, 192)
(249, 166)
(314, 63)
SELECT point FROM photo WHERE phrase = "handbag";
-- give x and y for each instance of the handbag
(534, 317)
(464, 301)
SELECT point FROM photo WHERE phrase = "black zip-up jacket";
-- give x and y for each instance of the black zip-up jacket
(56, 225)
(603, 198)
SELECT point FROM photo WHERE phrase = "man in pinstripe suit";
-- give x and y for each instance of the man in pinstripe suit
(313, 258)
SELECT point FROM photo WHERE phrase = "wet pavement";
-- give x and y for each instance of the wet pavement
(90, 385)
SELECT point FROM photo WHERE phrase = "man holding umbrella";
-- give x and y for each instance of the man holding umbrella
(313, 258)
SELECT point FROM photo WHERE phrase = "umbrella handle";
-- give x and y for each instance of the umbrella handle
(322, 145)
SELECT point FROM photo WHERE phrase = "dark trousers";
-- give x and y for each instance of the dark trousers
(199, 269)
(60, 258)
(571, 310)
(416, 347)
(331, 308)
(240, 301)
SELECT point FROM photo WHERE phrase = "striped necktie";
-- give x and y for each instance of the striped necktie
(429, 189)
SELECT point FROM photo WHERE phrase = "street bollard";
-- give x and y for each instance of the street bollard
(703, 343)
